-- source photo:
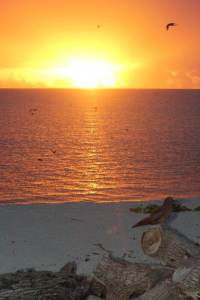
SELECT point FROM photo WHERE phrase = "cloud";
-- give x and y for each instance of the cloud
(137, 75)
(183, 79)
(30, 77)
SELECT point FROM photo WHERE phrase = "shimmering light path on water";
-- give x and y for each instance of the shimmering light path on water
(117, 145)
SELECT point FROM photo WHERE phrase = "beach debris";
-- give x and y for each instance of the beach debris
(187, 277)
(170, 25)
(87, 258)
(122, 278)
(145, 209)
(151, 208)
(40, 159)
(177, 207)
(97, 288)
(77, 220)
(168, 245)
(197, 208)
(159, 216)
(93, 298)
(166, 290)
(62, 285)
(176, 277)
(100, 246)
(69, 268)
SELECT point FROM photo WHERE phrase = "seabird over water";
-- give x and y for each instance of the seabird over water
(170, 24)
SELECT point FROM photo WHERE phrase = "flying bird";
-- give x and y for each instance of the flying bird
(32, 111)
(160, 216)
(170, 25)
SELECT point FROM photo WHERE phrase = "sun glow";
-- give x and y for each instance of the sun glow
(88, 73)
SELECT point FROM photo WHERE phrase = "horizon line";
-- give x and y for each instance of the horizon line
(94, 89)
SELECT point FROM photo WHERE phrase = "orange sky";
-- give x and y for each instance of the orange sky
(40, 38)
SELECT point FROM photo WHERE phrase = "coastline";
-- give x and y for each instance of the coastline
(47, 236)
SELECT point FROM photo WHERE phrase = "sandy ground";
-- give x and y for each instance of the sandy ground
(46, 236)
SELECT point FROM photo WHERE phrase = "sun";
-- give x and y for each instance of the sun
(88, 73)
(85, 73)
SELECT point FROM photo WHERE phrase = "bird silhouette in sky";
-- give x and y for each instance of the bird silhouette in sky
(160, 215)
(170, 25)
(98, 26)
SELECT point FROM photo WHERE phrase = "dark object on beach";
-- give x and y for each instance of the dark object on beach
(87, 259)
(170, 25)
(62, 285)
(177, 207)
(40, 159)
(160, 215)
(149, 209)
(53, 151)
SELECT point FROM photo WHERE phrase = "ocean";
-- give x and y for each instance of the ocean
(98, 145)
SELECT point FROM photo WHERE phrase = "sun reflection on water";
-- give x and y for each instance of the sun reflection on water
(110, 146)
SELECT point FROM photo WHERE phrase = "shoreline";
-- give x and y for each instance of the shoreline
(46, 237)
(190, 200)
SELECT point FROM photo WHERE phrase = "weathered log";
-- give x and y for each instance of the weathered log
(97, 288)
(43, 285)
(165, 290)
(169, 246)
(123, 279)
(93, 298)
(187, 278)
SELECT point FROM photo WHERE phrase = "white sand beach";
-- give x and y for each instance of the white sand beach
(46, 236)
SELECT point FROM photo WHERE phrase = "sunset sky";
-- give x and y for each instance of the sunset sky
(107, 43)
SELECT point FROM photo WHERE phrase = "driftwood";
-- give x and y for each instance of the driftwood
(177, 278)
(123, 279)
(92, 297)
(166, 290)
(43, 285)
(187, 278)
(169, 246)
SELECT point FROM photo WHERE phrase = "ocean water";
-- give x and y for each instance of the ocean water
(99, 145)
